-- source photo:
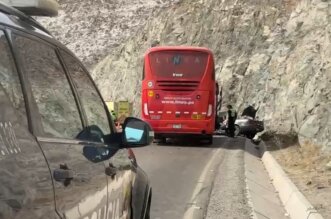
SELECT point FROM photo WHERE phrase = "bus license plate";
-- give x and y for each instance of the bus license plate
(177, 126)
(155, 117)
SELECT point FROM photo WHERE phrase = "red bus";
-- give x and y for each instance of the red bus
(179, 92)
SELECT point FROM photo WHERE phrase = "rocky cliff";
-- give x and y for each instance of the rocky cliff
(93, 28)
(275, 54)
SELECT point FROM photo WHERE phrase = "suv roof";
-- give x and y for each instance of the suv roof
(15, 19)
(10, 11)
(49, 8)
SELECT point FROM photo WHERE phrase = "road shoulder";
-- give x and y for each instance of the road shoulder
(228, 197)
(197, 206)
(262, 196)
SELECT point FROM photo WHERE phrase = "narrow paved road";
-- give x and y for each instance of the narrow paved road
(175, 171)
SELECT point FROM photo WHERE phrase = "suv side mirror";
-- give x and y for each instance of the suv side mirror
(136, 133)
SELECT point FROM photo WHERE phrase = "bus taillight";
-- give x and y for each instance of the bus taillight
(146, 109)
(210, 110)
(210, 104)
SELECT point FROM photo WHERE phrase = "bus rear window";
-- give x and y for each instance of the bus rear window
(178, 64)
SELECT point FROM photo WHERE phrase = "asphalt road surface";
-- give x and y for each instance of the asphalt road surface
(181, 172)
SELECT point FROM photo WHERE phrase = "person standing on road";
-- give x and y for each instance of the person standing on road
(232, 116)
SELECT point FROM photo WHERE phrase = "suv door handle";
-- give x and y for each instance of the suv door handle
(62, 174)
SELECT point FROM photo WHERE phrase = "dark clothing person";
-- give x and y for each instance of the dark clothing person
(249, 111)
(232, 116)
(217, 123)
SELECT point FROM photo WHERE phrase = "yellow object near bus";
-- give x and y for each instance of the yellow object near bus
(122, 109)
(110, 105)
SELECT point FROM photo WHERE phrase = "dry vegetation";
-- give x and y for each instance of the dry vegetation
(306, 165)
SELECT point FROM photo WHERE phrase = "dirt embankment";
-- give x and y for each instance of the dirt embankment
(308, 167)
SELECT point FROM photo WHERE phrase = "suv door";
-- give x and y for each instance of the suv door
(80, 185)
(119, 167)
(26, 189)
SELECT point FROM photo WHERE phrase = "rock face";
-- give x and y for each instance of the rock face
(92, 28)
(274, 54)
(230, 28)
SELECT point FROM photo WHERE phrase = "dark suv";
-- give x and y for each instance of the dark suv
(60, 156)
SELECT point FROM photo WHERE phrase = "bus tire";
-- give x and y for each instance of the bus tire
(209, 140)
(163, 140)
(160, 140)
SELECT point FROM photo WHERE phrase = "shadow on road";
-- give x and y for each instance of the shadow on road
(237, 143)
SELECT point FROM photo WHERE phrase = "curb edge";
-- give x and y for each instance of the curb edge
(295, 203)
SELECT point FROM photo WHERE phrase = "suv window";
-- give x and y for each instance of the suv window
(50, 88)
(9, 81)
(91, 101)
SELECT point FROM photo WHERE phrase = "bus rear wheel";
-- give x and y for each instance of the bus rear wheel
(163, 140)
(208, 140)
(160, 140)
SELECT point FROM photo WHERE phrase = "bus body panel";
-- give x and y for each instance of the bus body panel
(180, 105)
(179, 91)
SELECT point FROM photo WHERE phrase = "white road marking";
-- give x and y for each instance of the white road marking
(199, 187)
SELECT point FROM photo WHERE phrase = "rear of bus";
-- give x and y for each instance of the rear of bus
(179, 92)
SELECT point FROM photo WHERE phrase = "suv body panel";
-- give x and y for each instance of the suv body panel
(29, 188)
